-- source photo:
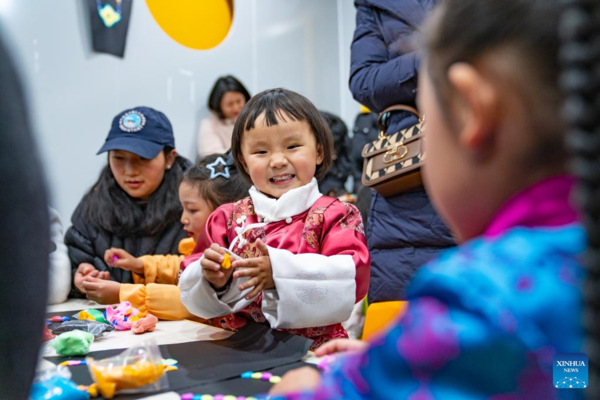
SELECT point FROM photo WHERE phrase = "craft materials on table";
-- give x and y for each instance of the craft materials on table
(122, 316)
(58, 318)
(192, 396)
(140, 367)
(263, 376)
(73, 343)
(56, 384)
(91, 314)
(146, 324)
(98, 329)
(72, 363)
(48, 335)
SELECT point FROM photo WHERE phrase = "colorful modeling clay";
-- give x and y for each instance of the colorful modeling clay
(95, 328)
(74, 343)
(58, 318)
(72, 363)
(146, 324)
(226, 264)
(92, 314)
(192, 396)
(48, 334)
(122, 316)
(92, 390)
(57, 388)
(263, 376)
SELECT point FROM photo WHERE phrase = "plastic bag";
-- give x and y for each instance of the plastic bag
(97, 329)
(140, 369)
(56, 384)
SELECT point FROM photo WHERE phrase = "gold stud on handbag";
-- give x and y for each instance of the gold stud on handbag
(392, 163)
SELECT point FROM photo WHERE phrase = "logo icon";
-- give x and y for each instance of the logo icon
(132, 121)
(570, 371)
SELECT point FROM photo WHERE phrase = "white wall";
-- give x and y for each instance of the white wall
(74, 93)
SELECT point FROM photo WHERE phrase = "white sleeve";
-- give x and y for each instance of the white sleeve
(199, 297)
(311, 290)
(60, 265)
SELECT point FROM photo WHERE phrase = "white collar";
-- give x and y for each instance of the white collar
(293, 202)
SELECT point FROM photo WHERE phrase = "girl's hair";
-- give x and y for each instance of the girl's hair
(220, 190)
(281, 104)
(523, 36)
(579, 84)
(111, 208)
(223, 85)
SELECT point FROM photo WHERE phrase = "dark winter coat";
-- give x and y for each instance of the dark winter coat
(403, 231)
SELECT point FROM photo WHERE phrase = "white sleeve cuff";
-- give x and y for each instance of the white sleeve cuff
(311, 290)
(199, 297)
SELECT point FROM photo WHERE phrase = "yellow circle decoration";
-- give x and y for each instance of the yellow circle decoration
(197, 24)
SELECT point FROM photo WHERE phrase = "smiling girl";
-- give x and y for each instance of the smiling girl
(301, 257)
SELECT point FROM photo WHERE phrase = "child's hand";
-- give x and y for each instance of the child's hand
(102, 291)
(301, 379)
(84, 270)
(341, 346)
(258, 268)
(119, 258)
(211, 267)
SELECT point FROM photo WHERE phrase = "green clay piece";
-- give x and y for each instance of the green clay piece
(98, 315)
(74, 343)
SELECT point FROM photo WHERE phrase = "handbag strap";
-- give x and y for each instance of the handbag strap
(396, 107)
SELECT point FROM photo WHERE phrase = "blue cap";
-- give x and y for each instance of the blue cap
(141, 130)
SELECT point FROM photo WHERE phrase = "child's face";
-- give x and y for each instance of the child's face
(280, 157)
(137, 176)
(232, 104)
(195, 210)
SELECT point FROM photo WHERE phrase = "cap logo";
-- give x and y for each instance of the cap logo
(132, 121)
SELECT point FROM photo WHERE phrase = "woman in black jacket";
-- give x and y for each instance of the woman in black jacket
(133, 205)
(403, 231)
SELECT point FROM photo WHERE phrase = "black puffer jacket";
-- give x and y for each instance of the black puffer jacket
(87, 241)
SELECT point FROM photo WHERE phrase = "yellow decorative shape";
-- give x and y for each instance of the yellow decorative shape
(109, 15)
(197, 24)
(226, 264)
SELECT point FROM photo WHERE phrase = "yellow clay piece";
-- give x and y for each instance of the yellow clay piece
(226, 264)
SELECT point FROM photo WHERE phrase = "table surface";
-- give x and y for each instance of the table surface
(166, 332)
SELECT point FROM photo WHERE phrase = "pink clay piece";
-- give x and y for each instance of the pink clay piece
(146, 324)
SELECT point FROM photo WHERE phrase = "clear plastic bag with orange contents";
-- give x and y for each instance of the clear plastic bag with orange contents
(140, 369)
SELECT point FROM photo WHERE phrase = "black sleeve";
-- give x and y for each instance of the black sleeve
(24, 240)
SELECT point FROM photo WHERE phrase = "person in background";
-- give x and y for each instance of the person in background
(334, 183)
(227, 98)
(404, 231)
(60, 265)
(133, 205)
